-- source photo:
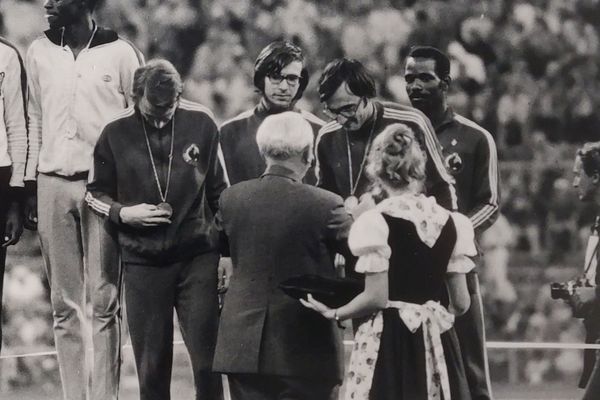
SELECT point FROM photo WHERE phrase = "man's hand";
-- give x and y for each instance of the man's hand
(30, 212)
(144, 215)
(14, 225)
(225, 272)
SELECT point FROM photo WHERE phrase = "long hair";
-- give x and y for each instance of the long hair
(341, 70)
(275, 57)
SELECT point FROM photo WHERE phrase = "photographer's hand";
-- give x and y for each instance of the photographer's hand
(585, 294)
(581, 300)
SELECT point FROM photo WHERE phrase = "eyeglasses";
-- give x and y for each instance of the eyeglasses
(347, 111)
(291, 79)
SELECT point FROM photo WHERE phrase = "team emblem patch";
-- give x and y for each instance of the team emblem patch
(191, 155)
(454, 163)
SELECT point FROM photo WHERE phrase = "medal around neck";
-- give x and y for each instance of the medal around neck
(165, 207)
(350, 203)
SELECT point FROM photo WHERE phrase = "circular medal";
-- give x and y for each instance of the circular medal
(166, 207)
(350, 203)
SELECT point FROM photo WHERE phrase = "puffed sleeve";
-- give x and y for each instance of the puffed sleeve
(464, 247)
(368, 240)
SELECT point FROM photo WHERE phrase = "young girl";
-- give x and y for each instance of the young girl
(414, 255)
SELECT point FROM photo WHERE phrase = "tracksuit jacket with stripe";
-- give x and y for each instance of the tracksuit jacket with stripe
(71, 99)
(334, 144)
(123, 176)
(241, 156)
(471, 157)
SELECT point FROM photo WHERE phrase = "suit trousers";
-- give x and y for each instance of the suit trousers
(470, 329)
(151, 295)
(76, 242)
(275, 387)
(4, 204)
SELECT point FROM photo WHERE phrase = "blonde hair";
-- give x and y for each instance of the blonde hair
(284, 135)
(396, 157)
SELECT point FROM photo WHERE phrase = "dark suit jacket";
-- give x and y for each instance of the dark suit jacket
(275, 227)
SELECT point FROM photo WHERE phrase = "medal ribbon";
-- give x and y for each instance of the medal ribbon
(354, 185)
(163, 197)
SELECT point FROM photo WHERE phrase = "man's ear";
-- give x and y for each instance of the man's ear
(596, 178)
(445, 82)
(307, 156)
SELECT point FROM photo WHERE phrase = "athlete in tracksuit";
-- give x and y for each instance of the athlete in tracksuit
(471, 157)
(280, 75)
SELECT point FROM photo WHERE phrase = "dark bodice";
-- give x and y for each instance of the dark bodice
(417, 272)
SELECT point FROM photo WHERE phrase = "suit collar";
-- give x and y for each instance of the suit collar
(281, 171)
(100, 36)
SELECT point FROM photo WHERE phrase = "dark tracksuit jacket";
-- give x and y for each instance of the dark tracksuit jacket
(470, 156)
(123, 176)
(240, 151)
(334, 141)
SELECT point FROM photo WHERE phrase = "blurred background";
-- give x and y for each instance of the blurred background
(526, 70)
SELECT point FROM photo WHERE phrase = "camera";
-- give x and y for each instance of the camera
(564, 290)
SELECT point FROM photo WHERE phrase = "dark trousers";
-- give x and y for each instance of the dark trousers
(470, 330)
(275, 387)
(592, 389)
(4, 204)
(151, 295)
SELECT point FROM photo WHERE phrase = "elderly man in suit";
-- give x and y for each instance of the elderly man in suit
(273, 228)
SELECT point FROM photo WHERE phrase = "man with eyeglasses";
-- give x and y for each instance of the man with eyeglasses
(280, 76)
(157, 178)
(348, 92)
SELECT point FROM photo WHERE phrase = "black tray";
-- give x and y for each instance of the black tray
(333, 292)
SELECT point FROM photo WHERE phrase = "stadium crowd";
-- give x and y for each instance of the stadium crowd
(525, 70)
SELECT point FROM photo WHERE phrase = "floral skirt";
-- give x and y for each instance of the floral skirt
(388, 362)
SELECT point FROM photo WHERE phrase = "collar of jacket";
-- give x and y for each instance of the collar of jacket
(280, 170)
(447, 119)
(101, 36)
(263, 111)
(369, 124)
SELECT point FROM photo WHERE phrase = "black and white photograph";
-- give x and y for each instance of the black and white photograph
(299, 199)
